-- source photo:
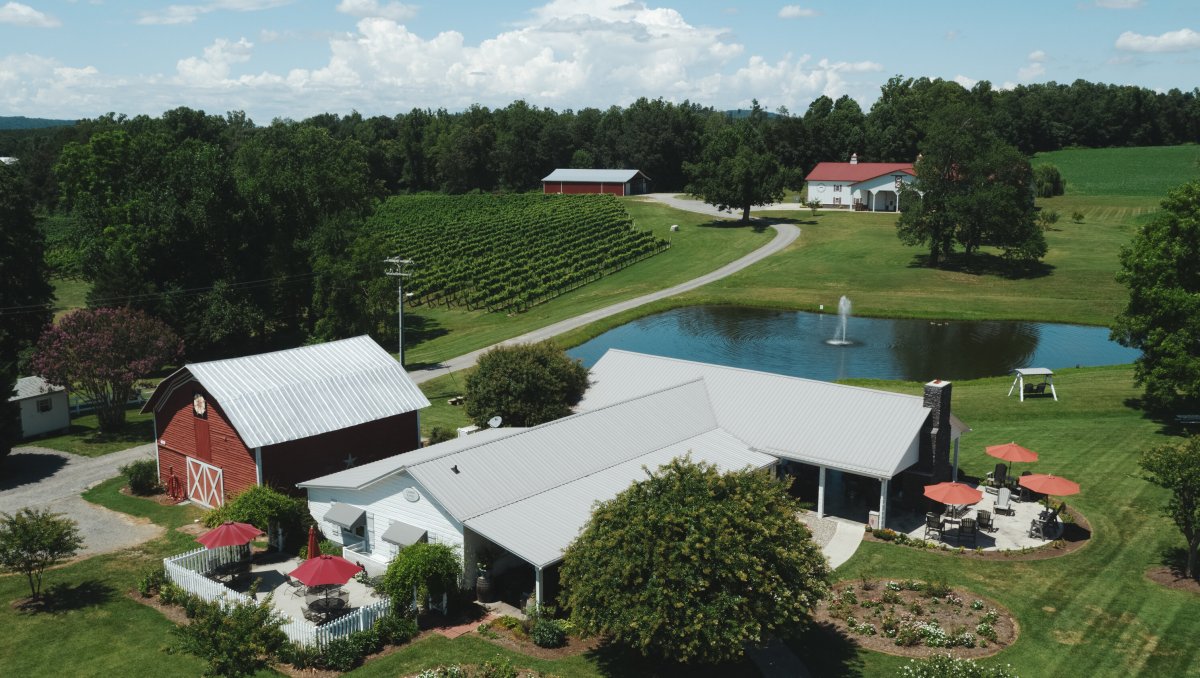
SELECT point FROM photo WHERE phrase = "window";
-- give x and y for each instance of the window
(837, 200)
(45, 404)
(837, 188)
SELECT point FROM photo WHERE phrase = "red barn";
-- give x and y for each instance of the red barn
(615, 181)
(283, 417)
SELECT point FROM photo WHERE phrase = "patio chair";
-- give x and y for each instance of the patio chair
(1037, 529)
(998, 477)
(967, 528)
(933, 523)
(984, 520)
(1002, 502)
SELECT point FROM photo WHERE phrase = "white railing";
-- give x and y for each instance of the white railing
(186, 571)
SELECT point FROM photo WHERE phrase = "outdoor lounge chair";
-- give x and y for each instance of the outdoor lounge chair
(984, 520)
(933, 523)
(1003, 497)
(998, 477)
(966, 528)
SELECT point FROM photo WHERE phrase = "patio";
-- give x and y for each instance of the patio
(1011, 531)
(271, 573)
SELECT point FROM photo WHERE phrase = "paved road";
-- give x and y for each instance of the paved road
(37, 477)
(786, 234)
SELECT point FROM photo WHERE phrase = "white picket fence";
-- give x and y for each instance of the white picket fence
(185, 571)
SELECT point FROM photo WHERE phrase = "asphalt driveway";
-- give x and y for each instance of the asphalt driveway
(36, 477)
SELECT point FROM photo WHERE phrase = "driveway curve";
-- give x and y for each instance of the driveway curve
(37, 477)
(785, 234)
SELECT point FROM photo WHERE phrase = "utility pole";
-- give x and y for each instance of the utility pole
(398, 272)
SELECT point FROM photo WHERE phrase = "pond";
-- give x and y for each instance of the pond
(795, 343)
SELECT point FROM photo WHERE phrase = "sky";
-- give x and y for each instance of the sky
(296, 58)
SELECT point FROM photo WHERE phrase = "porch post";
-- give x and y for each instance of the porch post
(537, 584)
(821, 494)
(883, 493)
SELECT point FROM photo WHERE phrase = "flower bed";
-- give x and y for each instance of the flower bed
(918, 619)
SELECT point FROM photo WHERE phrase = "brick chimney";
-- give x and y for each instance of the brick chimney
(935, 443)
(853, 158)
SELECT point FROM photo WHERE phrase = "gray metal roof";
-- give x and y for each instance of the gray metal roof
(1032, 371)
(608, 176)
(403, 534)
(359, 477)
(344, 514)
(854, 429)
(32, 387)
(479, 479)
(539, 527)
(272, 398)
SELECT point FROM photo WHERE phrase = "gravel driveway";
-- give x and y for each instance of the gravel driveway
(36, 477)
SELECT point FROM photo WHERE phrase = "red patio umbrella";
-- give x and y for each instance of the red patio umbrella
(314, 548)
(229, 534)
(325, 569)
(1011, 452)
(956, 494)
(1045, 483)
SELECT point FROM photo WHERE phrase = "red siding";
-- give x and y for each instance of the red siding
(582, 187)
(292, 462)
(177, 433)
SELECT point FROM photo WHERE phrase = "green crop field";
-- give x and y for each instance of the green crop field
(1141, 171)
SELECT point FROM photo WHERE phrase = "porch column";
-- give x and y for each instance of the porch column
(883, 494)
(537, 584)
(821, 493)
(897, 200)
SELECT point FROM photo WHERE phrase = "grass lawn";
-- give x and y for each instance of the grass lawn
(699, 246)
(85, 438)
(1091, 613)
(440, 413)
(69, 294)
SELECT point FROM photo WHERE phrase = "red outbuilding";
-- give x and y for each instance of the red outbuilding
(614, 181)
(280, 418)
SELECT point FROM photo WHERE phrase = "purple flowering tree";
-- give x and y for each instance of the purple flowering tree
(101, 353)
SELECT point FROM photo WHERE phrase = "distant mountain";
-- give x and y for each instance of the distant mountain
(21, 122)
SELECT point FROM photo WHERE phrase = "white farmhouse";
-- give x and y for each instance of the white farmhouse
(861, 186)
(44, 407)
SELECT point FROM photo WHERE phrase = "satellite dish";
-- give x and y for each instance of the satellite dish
(494, 422)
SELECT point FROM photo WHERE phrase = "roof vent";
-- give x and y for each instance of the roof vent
(455, 468)
(853, 158)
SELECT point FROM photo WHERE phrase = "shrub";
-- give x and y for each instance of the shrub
(152, 580)
(524, 384)
(327, 547)
(946, 666)
(891, 597)
(886, 534)
(236, 640)
(1047, 218)
(1077, 217)
(142, 476)
(547, 632)
(500, 667)
(341, 654)
(986, 630)
(428, 568)
(440, 434)
(395, 629)
(937, 589)
(266, 509)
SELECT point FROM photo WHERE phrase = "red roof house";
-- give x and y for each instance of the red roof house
(863, 186)
(279, 418)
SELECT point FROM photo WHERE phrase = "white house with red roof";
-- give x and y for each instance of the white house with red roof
(863, 186)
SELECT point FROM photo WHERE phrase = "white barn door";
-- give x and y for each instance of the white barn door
(205, 483)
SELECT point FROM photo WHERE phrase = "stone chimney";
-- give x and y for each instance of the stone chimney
(853, 158)
(935, 443)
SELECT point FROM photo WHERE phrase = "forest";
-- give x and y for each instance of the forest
(238, 234)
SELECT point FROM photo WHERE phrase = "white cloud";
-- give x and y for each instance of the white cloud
(1036, 66)
(396, 11)
(1119, 4)
(1181, 40)
(213, 68)
(1037, 55)
(797, 12)
(186, 14)
(24, 15)
(952, 35)
(965, 81)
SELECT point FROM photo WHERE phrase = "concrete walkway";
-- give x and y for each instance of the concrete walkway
(846, 538)
(37, 477)
(786, 234)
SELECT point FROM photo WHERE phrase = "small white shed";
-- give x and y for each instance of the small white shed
(44, 407)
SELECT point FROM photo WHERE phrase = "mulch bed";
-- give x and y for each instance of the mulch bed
(1076, 534)
(1173, 578)
(161, 498)
(505, 638)
(949, 616)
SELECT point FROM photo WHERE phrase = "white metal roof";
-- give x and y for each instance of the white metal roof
(509, 469)
(538, 528)
(272, 398)
(32, 387)
(609, 176)
(359, 477)
(854, 429)
(1032, 371)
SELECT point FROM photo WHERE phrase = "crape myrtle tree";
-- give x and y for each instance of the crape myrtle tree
(24, 293)
(34, 539)
(1161, 268)
(691, 563)
(971, 190)
(736, 170)
(525, 385)
(1176, 467)
(101, 353)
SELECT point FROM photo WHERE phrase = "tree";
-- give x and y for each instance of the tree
(420, 570)
(1048, 181)
(33, 540)
(691, 563)
(525, 385)
(237, 639)
(736, 170)
(267, 509)
(971, 190)
(24, 293)
(1161, 268)
(101, 353)
(1177, 468)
